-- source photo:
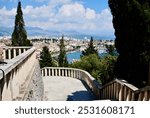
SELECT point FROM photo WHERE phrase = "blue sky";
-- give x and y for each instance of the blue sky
(86, 16)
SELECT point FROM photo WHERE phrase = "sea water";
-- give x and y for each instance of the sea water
(75, 55)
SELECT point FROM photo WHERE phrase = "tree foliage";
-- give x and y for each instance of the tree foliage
(131, 20)
(90, 49)
(62, 58)
(110, 49)
(100, 68)
(19, 35)
(46, 59)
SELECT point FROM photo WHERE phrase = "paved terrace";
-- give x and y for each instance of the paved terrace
(66, 89)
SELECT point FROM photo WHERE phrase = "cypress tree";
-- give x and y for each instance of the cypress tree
(45, 58)
(62, 58)
(19, 35)
(131, 20)
(90, 49)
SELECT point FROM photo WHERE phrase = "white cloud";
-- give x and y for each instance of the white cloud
(90, 14)
(62, 15)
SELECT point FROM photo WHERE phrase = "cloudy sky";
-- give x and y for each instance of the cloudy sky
(86, 16)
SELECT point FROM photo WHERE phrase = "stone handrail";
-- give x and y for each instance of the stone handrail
(17, 74)
(74, 73)
(12, 52)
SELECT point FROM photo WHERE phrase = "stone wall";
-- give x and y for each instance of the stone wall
(36, 87)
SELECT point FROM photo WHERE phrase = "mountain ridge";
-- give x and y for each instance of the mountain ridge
(36, 31)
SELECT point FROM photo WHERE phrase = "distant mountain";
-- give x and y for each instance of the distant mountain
(36, 31)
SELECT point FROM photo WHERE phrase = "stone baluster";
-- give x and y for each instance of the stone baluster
(4, 54)
(59, 72)
(56, 72)
(42, 72)
(121, 93)
(52, 72)
(132, 97)
(19, 51)
(116, 91)
(24, 50)
(9, 53)
(46, 72)
(145, 96)
(49, 71)
(125, 93)
(14, 52)
(129, 96)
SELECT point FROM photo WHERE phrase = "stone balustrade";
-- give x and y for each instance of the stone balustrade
(17, 74)
(144, 94)
(73, 73)
(12, 52)
(122, 91)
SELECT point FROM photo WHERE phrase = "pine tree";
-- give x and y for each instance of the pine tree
(19, 35)
(45, 58)
(62, 58)
(90, 49)
(131, 20)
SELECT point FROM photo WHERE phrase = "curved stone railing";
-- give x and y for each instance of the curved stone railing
(119, 90)
(17, 74)
(74, 73)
